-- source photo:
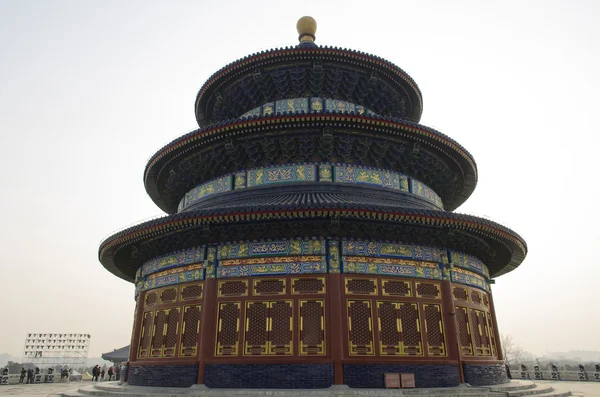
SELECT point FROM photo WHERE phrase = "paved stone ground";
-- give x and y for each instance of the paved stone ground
(38, 390)
(589, 389)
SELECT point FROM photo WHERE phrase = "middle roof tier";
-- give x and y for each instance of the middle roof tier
(259, 141)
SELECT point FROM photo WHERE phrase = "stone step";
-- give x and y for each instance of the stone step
(530, 392)
(513, 385)
(72, 393)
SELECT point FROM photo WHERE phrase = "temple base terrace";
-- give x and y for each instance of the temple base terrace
(514, 388)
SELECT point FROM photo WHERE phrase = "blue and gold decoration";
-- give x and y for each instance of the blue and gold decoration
(282, 174)
(311, 172)
(422, 190)
(306, 105)
(174, 259)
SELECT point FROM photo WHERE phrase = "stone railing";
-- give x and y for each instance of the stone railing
(558, 374)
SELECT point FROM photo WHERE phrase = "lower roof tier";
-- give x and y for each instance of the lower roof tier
(499, 248)
(368, 141)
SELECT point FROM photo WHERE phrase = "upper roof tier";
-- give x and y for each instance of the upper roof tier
(308, 71)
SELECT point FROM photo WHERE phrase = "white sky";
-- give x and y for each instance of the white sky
(90, 90)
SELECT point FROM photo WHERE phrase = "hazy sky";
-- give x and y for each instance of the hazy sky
(90, 90)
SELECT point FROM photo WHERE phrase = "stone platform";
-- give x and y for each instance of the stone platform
(516, 388)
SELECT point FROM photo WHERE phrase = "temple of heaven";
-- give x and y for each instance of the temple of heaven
(309, 239)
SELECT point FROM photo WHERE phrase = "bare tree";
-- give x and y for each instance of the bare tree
(514, 354)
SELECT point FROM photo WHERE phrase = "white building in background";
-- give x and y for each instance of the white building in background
(45, 350)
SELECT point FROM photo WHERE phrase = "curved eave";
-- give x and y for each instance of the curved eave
(180, 223)
(353, 57)
(230, 128)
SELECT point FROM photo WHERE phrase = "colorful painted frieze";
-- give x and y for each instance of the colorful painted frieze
(335, 105)
(314, 104)
(333, 256)
(390, 250)
(368, 176)
(172, 279)
(391, 267)
(325, 173)
(422, 190)
(273, 269)
(469, 262)
(272, 248)
(293, 105)
(282, 174)
(219, 185)
(466, 277)
(239, 180)
(174, 259)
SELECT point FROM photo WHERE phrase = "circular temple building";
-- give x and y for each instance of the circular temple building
(309, 239)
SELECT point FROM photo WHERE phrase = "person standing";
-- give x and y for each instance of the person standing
(102, 375)
(23, 373)
(30, 375)
(110, 373)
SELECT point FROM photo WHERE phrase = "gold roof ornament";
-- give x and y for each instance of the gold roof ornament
(307, 27)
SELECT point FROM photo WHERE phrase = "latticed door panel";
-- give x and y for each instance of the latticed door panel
(171, 332)
(158, 333)
(390, 342)
(399, 329)
(492, 335)
(434, 330)
(312, 327)
(269, 328)
(360, 328)
(257, 328)
(410, 329)
(190, 330)
(464, 331)
(281, 328)
(480, 332)
(146, 335)
(228, 329)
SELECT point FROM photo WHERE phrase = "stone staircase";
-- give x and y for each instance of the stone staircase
(516, 388)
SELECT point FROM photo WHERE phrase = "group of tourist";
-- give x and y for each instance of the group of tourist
(27, 373)
(99, 373)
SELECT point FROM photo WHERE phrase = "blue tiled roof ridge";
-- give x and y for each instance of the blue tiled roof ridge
(316, 49)
(340, 206)
(283, 114)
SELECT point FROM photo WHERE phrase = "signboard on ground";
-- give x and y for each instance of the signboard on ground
(408, 380)
(392, 381)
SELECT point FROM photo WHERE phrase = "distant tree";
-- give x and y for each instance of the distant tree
(514, 354)
(14, 367)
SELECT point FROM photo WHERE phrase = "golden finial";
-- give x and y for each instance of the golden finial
(307, 27)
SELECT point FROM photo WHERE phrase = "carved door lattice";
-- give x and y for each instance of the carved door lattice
(480, 332)
(269, 287)
(171, 333)
(233, 288)
(361, 286)
(158, 331)
(464, 331)
(312, 327)
(228, 329)
(360, 328)
(191, 292)
(428, 290)
(146, 335)
(434, 329)
(190, 329)
(396, 288)
(269, 328)
(460, 294)
(399, 329)
(308, 286)
(168, 295)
